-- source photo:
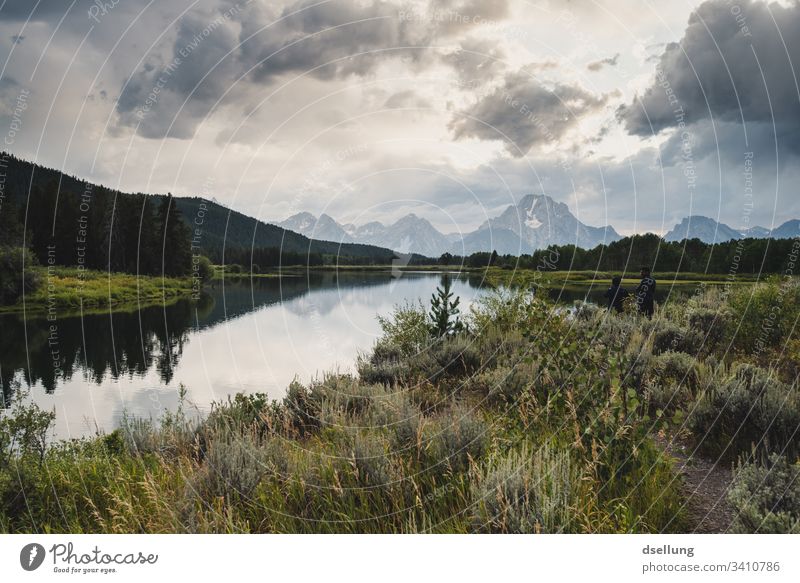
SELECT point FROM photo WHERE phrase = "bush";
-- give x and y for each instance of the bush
(668, 336)
(505, 383)
(503, 309)
(24, 430)
(203, 269)
(233, 467)
(672, 380)
(303, 411)
(460, 437)
(371, 460)
(455, 356)
(406, 330)
(450, 356)
(524, 492)
(17, 273)
(171, 435)
(749, 407)
(764, 314)
(713, 323)
(767, 498)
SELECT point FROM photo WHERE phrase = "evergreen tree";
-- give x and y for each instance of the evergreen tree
(11, 229)
(175, 252)
(444, 314)
(149, 243)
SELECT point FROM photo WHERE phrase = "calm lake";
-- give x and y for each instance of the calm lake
(241, 337)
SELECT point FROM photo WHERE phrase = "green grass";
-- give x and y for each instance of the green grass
(72, 289)
(526, 277)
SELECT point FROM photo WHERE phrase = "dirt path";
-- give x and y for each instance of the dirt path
(705, 487)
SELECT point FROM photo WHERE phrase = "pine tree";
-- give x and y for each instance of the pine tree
(444, 314)
(175, 243)
(11, 229)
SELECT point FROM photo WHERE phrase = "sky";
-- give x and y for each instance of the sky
(635, 113)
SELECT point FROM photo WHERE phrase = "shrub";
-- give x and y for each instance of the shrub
(203, 269)
(450, 356)
(460, 437)
(747, 408)
(405, 331)
(303, 411)
(24, 429)
(171, 435)
(767, 498)
(764, 314)
(371, 460)
(712, 323)
(233, 467)
(672, 380)
(345, 396)
(503, 309)
(408, 428)
(505, 383)
(455, 356)
(524, 492)
(668, 336)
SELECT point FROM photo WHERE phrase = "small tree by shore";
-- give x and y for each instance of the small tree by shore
(444, 314)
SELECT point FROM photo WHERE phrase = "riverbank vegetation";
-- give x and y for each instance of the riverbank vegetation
(528, 417)
(69, 289)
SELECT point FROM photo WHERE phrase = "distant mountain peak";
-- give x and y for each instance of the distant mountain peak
(704, 228)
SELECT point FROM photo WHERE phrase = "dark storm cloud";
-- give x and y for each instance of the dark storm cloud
(734, 63)
(45, 10)
(526, 113)
(169, 98)
(598, 65)
(249, 44)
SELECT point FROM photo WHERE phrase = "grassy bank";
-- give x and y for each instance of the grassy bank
(526, 277)
(531, 419)
(65, 288)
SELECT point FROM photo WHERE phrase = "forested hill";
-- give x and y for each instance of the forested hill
(122, 228)
(224, 227)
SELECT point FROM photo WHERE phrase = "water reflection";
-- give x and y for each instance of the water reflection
(242, 336)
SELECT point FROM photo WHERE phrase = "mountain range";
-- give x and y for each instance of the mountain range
(709, 230)
(535, 222)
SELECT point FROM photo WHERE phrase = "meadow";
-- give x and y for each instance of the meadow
(71, 289)
(517, 416)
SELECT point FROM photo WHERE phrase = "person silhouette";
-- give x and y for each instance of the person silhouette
(645, 293)
(616, 294)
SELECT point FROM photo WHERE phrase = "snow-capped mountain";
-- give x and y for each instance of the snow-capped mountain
(410, 234)
(323, 228)
(536, 222)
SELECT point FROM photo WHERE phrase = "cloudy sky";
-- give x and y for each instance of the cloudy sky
(635, 113)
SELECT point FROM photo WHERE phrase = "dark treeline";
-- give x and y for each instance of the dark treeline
(65, 222)
(68, 222)
(745, 256)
